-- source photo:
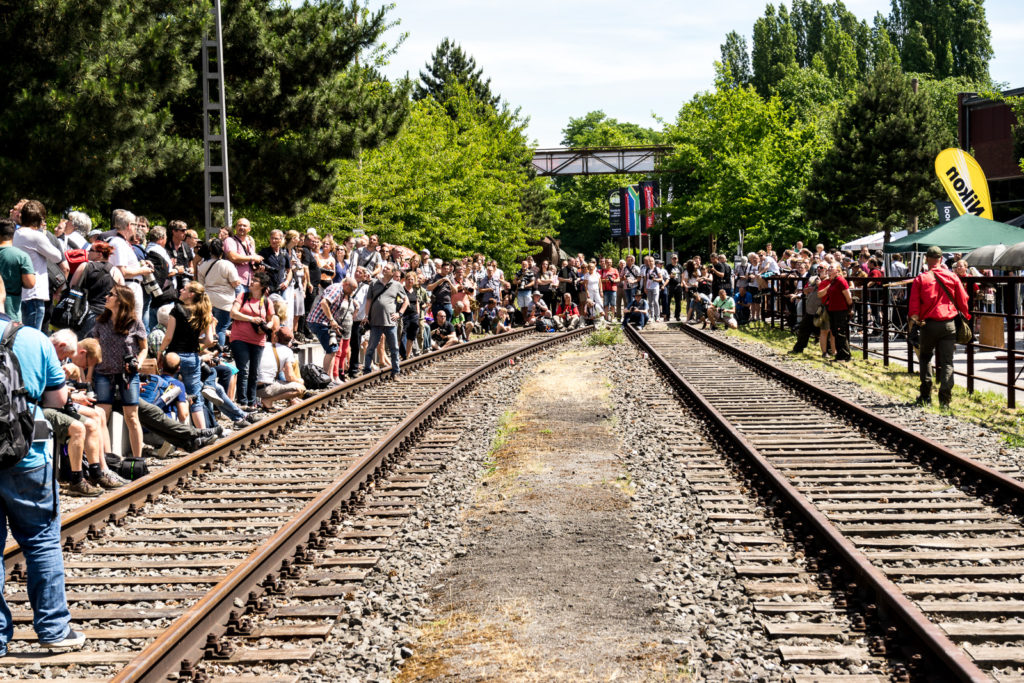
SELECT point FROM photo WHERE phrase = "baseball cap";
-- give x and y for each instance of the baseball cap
(425, 251)
(934, 252)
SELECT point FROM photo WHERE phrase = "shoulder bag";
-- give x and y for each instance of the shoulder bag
(964, 335)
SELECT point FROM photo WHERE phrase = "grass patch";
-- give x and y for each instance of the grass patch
(985, 408)
(610, 336)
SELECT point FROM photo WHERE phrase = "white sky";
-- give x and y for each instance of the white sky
(563, 58)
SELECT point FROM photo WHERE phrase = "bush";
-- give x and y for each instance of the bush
(606, 337)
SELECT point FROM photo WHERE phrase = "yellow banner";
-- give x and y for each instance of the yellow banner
(964, 182)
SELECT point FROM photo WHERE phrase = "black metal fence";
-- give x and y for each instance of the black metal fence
(880, 313)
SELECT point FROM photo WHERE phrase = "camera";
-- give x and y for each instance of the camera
(332, 340)
(150, 286)
(69, 407)
(131, 364)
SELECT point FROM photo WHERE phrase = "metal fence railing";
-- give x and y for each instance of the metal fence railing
(879, 324)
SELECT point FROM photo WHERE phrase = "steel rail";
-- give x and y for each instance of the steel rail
(84, 521)
(183, 642)
(955, 662)
(916, 446)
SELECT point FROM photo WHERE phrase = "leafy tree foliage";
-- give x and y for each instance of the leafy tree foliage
(87, 88)
(107, 100)
(456, 185)
(879, 170)
(736, 58)
(450, 66)
(942, 37)
(740, 162)
(582, 201)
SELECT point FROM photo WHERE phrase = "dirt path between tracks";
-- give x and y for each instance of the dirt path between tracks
(547, 589)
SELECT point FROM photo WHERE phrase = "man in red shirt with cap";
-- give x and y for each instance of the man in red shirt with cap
(935, 299)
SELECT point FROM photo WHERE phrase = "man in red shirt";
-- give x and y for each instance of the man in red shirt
(568, 313)
(935, 298)
(838, 301)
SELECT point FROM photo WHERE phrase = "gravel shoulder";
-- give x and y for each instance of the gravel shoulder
(549, 589)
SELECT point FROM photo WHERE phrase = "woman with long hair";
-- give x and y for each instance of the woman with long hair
(122, 340)
(254, 319)
(190, 330)
(325, 260)
(300, 276)
(220, 277)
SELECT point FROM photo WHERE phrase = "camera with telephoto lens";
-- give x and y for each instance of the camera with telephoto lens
(150, 286)
(332, 339)
(131, 364)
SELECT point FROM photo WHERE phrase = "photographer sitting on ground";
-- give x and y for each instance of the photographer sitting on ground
(568, 314)
(278, 359)
(636, 313)
(442, 332)
(722, 308)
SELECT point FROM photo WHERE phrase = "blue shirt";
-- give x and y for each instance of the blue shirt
(153, 388)
(40, 371)
(745, 298)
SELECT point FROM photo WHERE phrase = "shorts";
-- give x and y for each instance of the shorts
(106, 386)
(609, 299)
(275, 389)
(60, 422)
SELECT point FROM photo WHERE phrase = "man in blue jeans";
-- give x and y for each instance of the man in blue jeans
(28, 495)
(385, 297)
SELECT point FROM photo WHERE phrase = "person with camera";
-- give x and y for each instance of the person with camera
(387, 304)
(279, 378)
(254, 320)
(568, 314)
(190, 329)
(331, 322)
(182, 253)
(220, 278)
(33, 239)
(124, 257)
(122, 340)
(160, 289)
(240, 250)
(442, 332)
(636, 313)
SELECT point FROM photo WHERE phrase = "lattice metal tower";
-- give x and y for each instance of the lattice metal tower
(215, 127)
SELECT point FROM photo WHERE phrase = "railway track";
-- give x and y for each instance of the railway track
(857, 539)
(239, 554)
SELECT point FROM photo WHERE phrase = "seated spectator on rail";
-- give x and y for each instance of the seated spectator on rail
(502, 323)
(442, 332)
(568, 314)
(744, 301)
(723, 308)
(489, 316)
(636, 314)
(279, 378)
(31, 505)
(538, 312)
(80, 435)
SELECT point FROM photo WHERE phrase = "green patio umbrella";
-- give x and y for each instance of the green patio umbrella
(966, 233)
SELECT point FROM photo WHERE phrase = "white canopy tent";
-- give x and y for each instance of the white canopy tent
(874, 241)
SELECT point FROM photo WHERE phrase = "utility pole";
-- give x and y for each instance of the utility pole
(215, 127)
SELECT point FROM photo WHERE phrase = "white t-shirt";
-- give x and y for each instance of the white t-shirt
(593, 281)
(271, 365)
(124, 255)
(34, 243)
(219, 277)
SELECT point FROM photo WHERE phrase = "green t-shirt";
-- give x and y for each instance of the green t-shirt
(13, 264)
(726, 306)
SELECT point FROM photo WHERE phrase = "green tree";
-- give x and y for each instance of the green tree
(87, 89)
(455, 185)
(954, 32)
(774, 49)
(449, 66)
(582, 201)
(740, 161)
(879, 170)
(736, 57)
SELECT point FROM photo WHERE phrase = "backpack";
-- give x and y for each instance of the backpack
(76, 257)
(72, 309)
(132, 468)
(314, 377)
(18, 427)
(56, 278)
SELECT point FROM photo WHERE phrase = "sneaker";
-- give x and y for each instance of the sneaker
(211, 395)
(73, 639)
(240, 425)
(252, 418)
(109, 480)
(83, 489)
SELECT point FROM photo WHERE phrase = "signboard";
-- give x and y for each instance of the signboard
(648, 202)
(632, 204)
(964, 181)
(946, 211)
(615, 221)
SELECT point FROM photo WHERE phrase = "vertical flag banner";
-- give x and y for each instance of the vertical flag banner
(945, 210)
(632, 212)
(648, 202)
(615, 214)
(964, 181)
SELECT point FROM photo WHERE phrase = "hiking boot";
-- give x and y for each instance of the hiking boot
(109, 480)
(83, 489)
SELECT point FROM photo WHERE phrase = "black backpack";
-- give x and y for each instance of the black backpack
(71, 310)
(314, 377)
(17, 412)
